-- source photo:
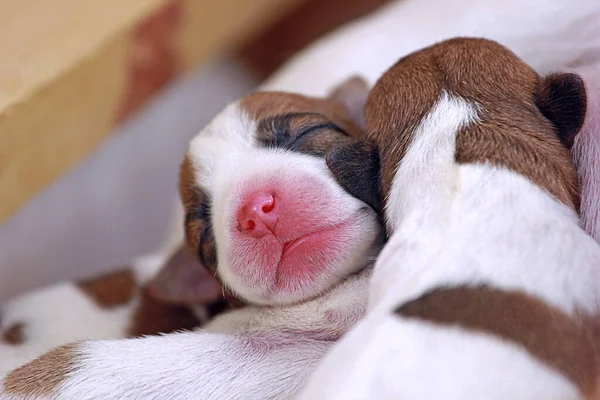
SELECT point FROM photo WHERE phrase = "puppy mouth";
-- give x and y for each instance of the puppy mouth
(288, 243)
(303, 258)
(293, 245)
(298, 267)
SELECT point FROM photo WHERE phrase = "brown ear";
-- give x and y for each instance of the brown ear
(562, 99)
(353, 93)
(355, 166)
(184, 280)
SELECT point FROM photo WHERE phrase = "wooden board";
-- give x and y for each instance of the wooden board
(72, 69)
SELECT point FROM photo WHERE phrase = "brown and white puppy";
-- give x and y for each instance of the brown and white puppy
(259, 198)
(267, 216)
(488, 287)
(116, 305)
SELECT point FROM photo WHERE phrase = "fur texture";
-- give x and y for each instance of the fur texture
(456, 224)
(229, 158)
(548, 35)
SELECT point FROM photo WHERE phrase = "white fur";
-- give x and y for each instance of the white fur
(546, 34)
(62, 313)
(407, 359)
(254, 353)
(191, 366)
(54, 316)
(455, 224)
(431, 183)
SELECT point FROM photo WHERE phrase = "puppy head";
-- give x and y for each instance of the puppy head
(263, 212)
(499, 109)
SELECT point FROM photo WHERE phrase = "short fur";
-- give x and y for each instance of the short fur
(488, 286)
(116, 305)
(255, 352)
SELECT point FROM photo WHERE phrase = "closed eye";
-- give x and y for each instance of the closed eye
(320, 127)
(288, 130)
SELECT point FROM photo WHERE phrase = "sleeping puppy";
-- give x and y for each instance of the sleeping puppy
(116, 305)
(488, 287)
(265, 214)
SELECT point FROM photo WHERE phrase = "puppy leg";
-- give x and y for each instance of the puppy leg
(193, 365)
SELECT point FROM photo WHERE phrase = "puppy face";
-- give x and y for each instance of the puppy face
(262, 209)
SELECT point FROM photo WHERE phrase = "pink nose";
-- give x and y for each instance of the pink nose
(258, 216)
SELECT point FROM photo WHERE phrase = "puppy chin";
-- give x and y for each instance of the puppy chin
(304, 269)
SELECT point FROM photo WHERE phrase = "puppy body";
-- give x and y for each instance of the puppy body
(304, 259)
(252, 353)
(112, 306)
(555, 34)
(488, 285)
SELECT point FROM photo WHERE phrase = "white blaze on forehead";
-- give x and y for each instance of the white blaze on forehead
(428, 163)
(232, 131)
(232, 124)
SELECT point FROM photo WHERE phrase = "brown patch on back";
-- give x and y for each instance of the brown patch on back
(553, 337)
(152, 317)
(44, 375)
(110, 290)
(14, 334)
(511, 132)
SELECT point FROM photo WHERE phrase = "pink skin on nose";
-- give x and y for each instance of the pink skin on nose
(284, 233)
(259, 215)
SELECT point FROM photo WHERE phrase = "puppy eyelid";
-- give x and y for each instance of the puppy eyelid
(315, 128)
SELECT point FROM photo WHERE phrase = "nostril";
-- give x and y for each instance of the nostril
(269, 205)
(258, 215)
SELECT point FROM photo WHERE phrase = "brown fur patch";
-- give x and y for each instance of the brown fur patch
(14, 334)
(198, 227)
(152, 317)
(562, 342)
(110, 290)
(511, 132)
(44, 375)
